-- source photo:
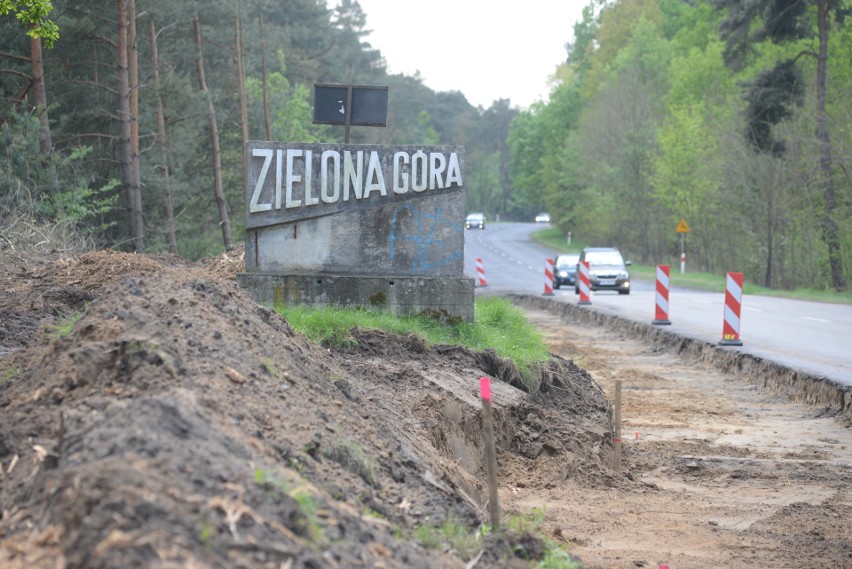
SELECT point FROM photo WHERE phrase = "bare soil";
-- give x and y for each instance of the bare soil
(179, 424)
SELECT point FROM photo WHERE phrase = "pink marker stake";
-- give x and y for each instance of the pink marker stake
(490, 451)
(485, 388)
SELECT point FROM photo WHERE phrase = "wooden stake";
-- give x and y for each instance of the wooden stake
(490, 452)
(618, 425)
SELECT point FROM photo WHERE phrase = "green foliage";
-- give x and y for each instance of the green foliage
(10, 373)
(64, 327)
(657, 136)
(290, 106)
(270, 368)
(308, 523)
(556, 558)
(50, 188)
(526, 523)
(321, 44)
(497, 325)
(644, 125)
(206, 534)
(33, 14)
(451, 534)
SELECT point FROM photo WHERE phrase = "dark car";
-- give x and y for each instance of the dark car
(476, 220)
(607, 270)
(565, 269)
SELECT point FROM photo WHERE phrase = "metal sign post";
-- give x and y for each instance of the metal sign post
(683, 229)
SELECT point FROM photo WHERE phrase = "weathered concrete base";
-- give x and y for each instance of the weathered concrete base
(404, 296)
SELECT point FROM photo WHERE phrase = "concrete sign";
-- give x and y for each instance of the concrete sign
(319, 215)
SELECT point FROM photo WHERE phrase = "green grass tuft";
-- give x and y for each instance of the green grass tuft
(353, 458)
(10, 373)
(452, 534)
(497, 325)
(59, 331)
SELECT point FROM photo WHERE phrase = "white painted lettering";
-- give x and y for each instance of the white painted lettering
(332, 158)
(352, 174)
(419, 171)
(292, 177)
(437, 165)
(279, 166)
(400, 159)
(375, 178)
(254, 206)
(310, 198)
(454, 171)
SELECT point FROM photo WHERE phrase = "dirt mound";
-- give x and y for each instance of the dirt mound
(180, 424)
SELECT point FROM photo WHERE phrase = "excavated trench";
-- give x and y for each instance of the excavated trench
(795, 384)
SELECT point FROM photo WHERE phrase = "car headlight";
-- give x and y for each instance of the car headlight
(624, 275)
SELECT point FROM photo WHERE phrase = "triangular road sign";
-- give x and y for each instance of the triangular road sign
(682, 227)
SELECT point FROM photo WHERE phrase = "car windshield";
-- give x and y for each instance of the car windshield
(604, 258)
(475, 216)
(567, 261)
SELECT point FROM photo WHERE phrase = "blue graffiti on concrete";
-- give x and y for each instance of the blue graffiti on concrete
(424, 243)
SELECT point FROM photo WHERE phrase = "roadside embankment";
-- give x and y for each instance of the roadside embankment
(796, 384)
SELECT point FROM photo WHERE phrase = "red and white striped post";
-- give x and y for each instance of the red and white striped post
(548, 277)
(661, 313)
(585, 286)
(733, 307)
(480, 272)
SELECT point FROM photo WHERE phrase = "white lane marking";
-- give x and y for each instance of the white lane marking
(705, 301)
(750, 308)
(816, 319)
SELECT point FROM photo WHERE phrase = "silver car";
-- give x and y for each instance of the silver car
(607, 270)
(475, 220)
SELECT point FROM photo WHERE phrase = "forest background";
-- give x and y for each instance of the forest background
(123, 123)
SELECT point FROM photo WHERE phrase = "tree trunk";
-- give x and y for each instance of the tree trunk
(40, 96)
(267, 120)
(218, 192)
(241, 83)
(125, 151)
(171, 238)
(135, 167)
(831, 233)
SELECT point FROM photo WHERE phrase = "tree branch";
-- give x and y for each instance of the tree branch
(15, 56)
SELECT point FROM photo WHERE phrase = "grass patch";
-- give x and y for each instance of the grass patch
(307, 524)
(467, 542)
(61, 330)
(451, 534)
(554, 238)
(497, 325)
(269, 367)
(353, 458)
(10, 373)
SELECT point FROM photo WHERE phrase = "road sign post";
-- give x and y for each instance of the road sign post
(683, 229)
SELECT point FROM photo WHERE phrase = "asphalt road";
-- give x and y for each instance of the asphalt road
(811, 336)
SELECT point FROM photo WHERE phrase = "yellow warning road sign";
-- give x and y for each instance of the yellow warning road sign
(682, 227)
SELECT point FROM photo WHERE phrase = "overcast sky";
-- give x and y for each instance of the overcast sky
(486, 49)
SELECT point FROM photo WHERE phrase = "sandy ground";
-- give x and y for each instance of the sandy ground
(173, 422)
(727, 476)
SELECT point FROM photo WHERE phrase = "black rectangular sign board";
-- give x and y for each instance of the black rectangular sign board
(369, 105)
